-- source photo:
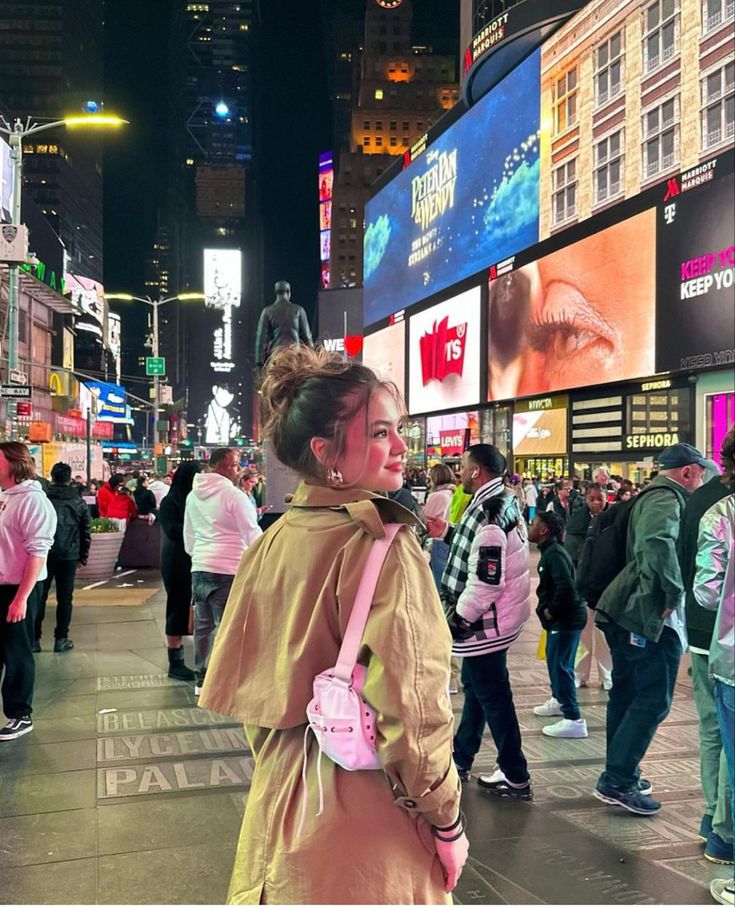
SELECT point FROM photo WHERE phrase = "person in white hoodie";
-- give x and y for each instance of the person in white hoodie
(219, 524)
(27, 528)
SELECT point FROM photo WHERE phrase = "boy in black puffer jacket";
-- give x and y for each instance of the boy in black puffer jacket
(563, 615)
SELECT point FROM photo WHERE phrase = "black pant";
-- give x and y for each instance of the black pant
(16, 654)
(488, 697)
(640, 698)
(64, 572)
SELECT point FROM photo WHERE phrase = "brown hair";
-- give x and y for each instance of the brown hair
(19, 459)
(441, 474)
(311, 393)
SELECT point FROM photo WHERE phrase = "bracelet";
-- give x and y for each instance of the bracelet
(439, 831)
(456, 837)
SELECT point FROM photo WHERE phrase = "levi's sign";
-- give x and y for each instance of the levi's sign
(442, 351)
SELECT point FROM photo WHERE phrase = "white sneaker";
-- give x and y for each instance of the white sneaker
(605, 679)
(197, 689)
(567, 727)
(549, 709)
(579, 682)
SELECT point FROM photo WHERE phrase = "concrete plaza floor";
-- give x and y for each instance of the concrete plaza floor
(127, 793)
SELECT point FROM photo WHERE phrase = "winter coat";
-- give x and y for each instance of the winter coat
(498, 581)
(556, 592)
(121, 506)
(104, 496)
(651, 581)
(145, 501)
(219, 524)
(714, 584)
(72, 538)
(439, 502)
(175, 562)
(27, 527)
(283, 624)
(576, 531)
(700, 622)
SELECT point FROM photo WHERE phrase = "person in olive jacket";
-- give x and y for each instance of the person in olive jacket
(563, 615)
(176, 568)
(71, 547)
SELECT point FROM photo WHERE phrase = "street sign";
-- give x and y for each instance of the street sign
(22, 391)
(17, 377)
(155, 365)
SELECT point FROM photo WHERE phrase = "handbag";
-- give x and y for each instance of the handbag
(343, 723)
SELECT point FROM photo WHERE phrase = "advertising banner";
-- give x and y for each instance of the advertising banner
(540, 433)
(444, 354)
(385, 353)
(111, 401)
(696, 271)
(326, 181)
(75, 454)
(470, 199)
(580, 316)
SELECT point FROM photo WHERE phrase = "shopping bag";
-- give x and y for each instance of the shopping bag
(541, 649)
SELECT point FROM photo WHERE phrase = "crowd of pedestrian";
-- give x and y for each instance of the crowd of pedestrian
(630, 577)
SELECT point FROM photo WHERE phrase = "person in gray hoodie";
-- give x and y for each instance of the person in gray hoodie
(219, 524)
(27, 528)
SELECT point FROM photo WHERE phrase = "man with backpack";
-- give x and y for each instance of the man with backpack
(71, 547)
(485, 592)
(641, 614)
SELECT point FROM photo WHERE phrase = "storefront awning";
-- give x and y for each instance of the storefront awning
(40, 292)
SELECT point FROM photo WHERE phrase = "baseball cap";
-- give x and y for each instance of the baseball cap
(681, 454)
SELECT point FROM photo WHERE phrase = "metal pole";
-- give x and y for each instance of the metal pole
(156, 388)
(89, 446)
(16, 162)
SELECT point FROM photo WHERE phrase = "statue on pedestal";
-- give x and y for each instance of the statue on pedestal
(281, 324)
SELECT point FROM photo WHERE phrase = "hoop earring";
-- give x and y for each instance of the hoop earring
(334, 477)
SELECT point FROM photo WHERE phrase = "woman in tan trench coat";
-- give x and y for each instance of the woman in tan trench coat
(392, 836)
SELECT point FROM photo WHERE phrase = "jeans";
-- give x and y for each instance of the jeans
(16, 654)
(210, 592)
(488, 698)
(712, 759)
(561, 650)
(64, 572)
(643, 687)
(725, 701)
(438, 560)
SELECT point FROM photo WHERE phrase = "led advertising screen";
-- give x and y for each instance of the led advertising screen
(222, 277)
(326, 181)
(540, 433)
(444, 354)
(6, 183)
(696, 267)
(385, 353)
(111, 401)
(471, 199)
(579, 316)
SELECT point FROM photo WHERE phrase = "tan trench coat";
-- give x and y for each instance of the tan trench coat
(283, 624)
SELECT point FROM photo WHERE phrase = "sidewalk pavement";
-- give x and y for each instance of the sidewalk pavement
(127, 793)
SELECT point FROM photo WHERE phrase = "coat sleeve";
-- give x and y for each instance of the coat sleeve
(188, 532)
(85, 532)
(407, 648)
(170, 520)
(563, 601)
(655, 551)
(486, 576)
(712, 555)
(38, 525)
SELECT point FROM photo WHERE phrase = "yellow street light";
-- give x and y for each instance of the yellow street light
(95, 119)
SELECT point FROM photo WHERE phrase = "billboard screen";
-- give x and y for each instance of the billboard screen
(222, 277)
(540, 433)
(385, 353)
(326, 181)
(111, 401)
(471, 199)
(582, 315)
(6, 183)
(696, 266)
(444, 354)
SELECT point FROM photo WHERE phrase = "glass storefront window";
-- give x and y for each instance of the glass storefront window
(415, 438)
(495, 428)
(719, 418)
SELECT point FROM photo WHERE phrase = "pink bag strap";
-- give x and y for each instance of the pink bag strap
(363, 600)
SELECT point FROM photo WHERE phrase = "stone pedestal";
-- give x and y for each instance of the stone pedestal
(279, 481)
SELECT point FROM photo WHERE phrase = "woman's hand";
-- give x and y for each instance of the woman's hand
(452, 856)
(17, 610)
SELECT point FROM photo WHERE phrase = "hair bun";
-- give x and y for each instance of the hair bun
(288, 370)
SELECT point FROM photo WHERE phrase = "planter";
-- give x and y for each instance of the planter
(102, 558)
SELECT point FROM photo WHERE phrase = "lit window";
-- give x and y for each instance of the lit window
(718, 106)
(189, 161)
(378, 94)
(660, 127)
(609, 72)
(565, 191)
(660, 32)
(609, 167)
(565, 101)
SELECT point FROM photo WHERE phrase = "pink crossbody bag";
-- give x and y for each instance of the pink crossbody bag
(338, 715)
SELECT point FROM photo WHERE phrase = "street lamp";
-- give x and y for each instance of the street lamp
(155, 305)
(16, 133)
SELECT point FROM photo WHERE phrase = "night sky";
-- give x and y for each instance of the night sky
(295, 119)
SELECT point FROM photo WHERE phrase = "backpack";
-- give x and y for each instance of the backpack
(603, 553)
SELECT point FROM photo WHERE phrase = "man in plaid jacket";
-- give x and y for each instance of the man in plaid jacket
(485, 590)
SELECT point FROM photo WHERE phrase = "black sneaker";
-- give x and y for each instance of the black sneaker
(15, 728)
(464, 774)
(632, 800)
(63, 645)
(36, 647)
(498, 785)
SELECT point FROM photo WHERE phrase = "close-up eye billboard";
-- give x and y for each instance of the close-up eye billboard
(579, 316)
(471, 199)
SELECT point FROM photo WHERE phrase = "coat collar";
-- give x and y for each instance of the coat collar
(366, 508)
